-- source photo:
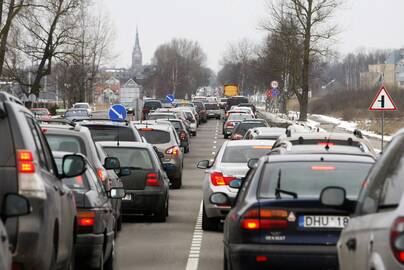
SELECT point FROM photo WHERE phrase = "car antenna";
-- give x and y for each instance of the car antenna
(327, 146)
(278, 186)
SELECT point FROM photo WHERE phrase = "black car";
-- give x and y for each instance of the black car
(147, 186)
(150, 105)
(241, 129)
(201, 110)
(286, 215)
(44, 238)
(96, 223)
(236, 100)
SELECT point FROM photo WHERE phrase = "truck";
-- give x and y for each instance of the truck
(231, 90)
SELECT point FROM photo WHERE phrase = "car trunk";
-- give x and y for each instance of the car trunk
(136, 180)
(237, 170)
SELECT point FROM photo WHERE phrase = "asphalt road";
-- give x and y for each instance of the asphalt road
(179, 243)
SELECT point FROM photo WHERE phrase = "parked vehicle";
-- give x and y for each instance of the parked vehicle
(291, 209)
(373, 238)
(243, 127)
(213, 110)
(166, 140)
(147, 185)
(44, 238)
(229, 164)
(232, 121)
(96, 223)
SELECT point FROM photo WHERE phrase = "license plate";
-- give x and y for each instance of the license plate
(127, 197)
(339, 222)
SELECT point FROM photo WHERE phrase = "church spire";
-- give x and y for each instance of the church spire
(137, 42)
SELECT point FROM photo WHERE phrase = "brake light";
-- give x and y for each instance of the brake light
(237, 137)
(183, 135)
(218, 179)
(102, 174)
(25, 162)
(85, 219)
(146, 129)
(152, 180)
(174, 151)
(229, 124)
(270, 219)
(326, 144)
(261, 258)
(397, 239)
(323, 168)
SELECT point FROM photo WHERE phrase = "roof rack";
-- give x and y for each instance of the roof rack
(59, 121)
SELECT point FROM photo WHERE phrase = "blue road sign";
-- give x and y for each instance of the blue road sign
(117, 112)
(275, 92)
(170, 98)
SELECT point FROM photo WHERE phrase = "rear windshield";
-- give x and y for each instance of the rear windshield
(155, 136)
(212, 106)
(109, 133)
(65, 143)
(177, 125)
(236, 101)
(153, 105)
(244, 127)
(239, 117)
(76, 113)
(161, 116)
(78, 182)
(242, 154)
(40, 112)
(81, 106)
(308, 179)
(131, 157)
(7, 156)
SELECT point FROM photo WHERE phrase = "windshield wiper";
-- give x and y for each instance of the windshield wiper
(279, 191)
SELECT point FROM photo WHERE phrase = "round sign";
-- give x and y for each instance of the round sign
(32, 98)
(274, 84)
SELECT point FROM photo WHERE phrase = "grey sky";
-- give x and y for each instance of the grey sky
(215, 23)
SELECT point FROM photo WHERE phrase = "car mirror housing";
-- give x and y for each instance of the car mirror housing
(15, 205)
(252, 163)
(116, 193)
(124, 171)
(203, 164)
(236, 184)
(219, 198)
(112, 163)
(73, 165)
(333, 196)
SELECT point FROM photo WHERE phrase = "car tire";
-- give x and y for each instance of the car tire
(110, 263)
(209, 224)
(177, 183)
(161, 215)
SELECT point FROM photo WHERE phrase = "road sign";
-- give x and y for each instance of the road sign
(117, 112)
(274, 84)
(383, 101)
(275, 92)
(170, 98)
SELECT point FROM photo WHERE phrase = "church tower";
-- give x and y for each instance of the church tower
(137, 59)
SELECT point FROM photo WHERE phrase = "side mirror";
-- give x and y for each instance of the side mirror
(252, 163)
(112, 163)
(203, 164)
(219, 198)
(236, 183)
(15, 205)
(116, 193)
(124, 171)
(333, 196)
(73, 165)
(160, 154)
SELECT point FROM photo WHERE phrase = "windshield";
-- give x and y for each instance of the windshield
(244, 127)
(109, 133)
(177, 125)
(76, 113)
(308, 179)
(212, 106)
(131, 157)
(40, 111)
(155, 136)
(152, 105)
(239, 117)
(242, 154)
(65, 143)
(82, 106)
(161, 116)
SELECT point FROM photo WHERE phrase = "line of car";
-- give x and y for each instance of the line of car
(297, 199)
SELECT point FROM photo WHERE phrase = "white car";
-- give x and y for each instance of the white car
(83, 105)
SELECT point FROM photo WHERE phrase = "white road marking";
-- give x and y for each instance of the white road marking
(195, 249)
(214, 147)
(213, 153)
(215, 142)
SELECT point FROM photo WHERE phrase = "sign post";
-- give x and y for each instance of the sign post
(383, 102)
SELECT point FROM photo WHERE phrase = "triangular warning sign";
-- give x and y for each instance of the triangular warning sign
(383, 101)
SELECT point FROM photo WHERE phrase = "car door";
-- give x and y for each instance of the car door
(64, 199)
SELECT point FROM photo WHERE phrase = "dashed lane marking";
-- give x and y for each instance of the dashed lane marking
(195, 249)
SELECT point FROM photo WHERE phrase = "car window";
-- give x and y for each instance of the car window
(244, 127)
(177, 125)
(212, 106)
(107, 133)
(65, 143)
(7, 154)
(131, 157)
(78, 182)
(152, 105)
(155, 136)
(308, 179)
(242, 154)
(161, 116)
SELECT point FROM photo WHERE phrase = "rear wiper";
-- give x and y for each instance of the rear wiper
(135, 168)
(278, 189)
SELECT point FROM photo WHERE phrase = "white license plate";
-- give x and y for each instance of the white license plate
(323, 221)
(127, 197)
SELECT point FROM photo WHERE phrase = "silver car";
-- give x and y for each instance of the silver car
(229, 164)
(374, 237)
(166, 140)
(213, 110)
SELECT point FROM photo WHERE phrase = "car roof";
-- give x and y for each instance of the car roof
(247, 142)
(262, 131)
(125, 144)
(320, 136)
(156, 127)
(320, 149)
(323, 157)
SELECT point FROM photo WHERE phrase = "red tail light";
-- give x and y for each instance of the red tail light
(229, 124)
(270, 219)
(397, 239)
(102, 174)
(25, 162)
(218, 179)
(152, 180)
(236, 137)
(183, 135)
(85, 219)
(174, 151)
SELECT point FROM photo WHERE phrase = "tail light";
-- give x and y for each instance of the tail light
(102, 174)
(25, 162)
(85, 219)
(218, 179)
(174, 151)
(229, 124)
(146, 110)
(397, 239)
(152, 180)
(183, 135)
(269, 219)
(236, 137)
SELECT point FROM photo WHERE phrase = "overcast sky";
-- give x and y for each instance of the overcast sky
(215, 23)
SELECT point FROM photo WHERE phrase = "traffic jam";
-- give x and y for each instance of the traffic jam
(273, 196)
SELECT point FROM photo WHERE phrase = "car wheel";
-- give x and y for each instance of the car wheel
(208, 224)
(110, 263)
(161, 215)
(177, 183)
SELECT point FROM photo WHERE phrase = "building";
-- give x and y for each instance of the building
(391, 73)
(137, 58)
